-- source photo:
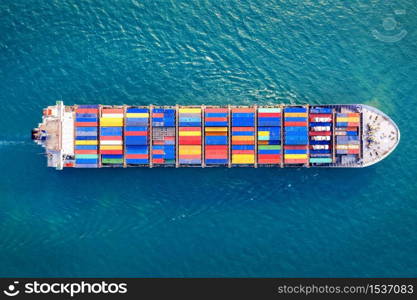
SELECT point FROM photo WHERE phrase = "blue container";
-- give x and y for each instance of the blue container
(295, 119)
(216, 161)
(220, 124)
(86, 147)
(80, 161)
(136, 128)
(295, 151)
(86, 138)
(216, 115)
(117, 156)
(86, 119)
(136, 149)
(83, 128)
(242, 133)
(111, 131)
(216, 140)
(137, 110)
(315, 124)
(135, 161)
(243, 147)
(269, 151)
(295, 109)
(320, 110)
(136, 140)
(86, 166)
(190, 124)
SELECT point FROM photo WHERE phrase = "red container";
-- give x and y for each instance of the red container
(269, 156)
(297, 124)
(157, 151)
(216, 110)
(190, 140)
(215, 120)
(137, 156)
(216, 147)
(295, 161)
(86, 124)
(314, 133)
(87, 110)
(85, 151)
(243, 151)
(136, 133)
(112, 110)
(320, 116)
(243, 110)
(353, 151)
(157, 115)
(111, 151)
(69, 165)
(269, 115)
(158, 160)
(110, 138)
(353, 124)
(189, 128)
(243, 128)
(295, 147)
(190, 156)
(351, 129)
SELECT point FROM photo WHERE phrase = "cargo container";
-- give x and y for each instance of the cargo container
(189, 136)
(216, 132)
(136, 137)
(111, 136)
(164, 136)
(269, 136)
(295, 135)
(243, 136)
(321, 142)
(94, 136)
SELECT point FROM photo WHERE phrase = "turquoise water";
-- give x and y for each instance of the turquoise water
(206, 222)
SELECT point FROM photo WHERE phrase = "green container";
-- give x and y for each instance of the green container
(112, 161)
(89, 156)
(269, 147)
(321, 160)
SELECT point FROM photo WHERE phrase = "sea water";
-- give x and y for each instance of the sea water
(241, 222)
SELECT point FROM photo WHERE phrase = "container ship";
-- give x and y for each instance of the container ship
(327, 136)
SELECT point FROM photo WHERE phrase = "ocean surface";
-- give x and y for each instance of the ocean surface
(206, 222)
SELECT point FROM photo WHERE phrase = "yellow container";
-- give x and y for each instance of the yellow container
(240, 138)
(88, 142)
(218, 129)
(295, 156)
(347, 119)
(137, 115)
(108, 147)
(190, 110)
(190, 133)
(243, 159)
(299, 115)
(263, 133)
(189, 149)
(116, 122)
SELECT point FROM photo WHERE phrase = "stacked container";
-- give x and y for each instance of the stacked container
(296, 135)
(216, 136)
(189, 136)
(163, 136)
(269, 136)
(136, 136)
(111, 136)
(321, 122)
(347, 133)
(243, 136)
(86, 136)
